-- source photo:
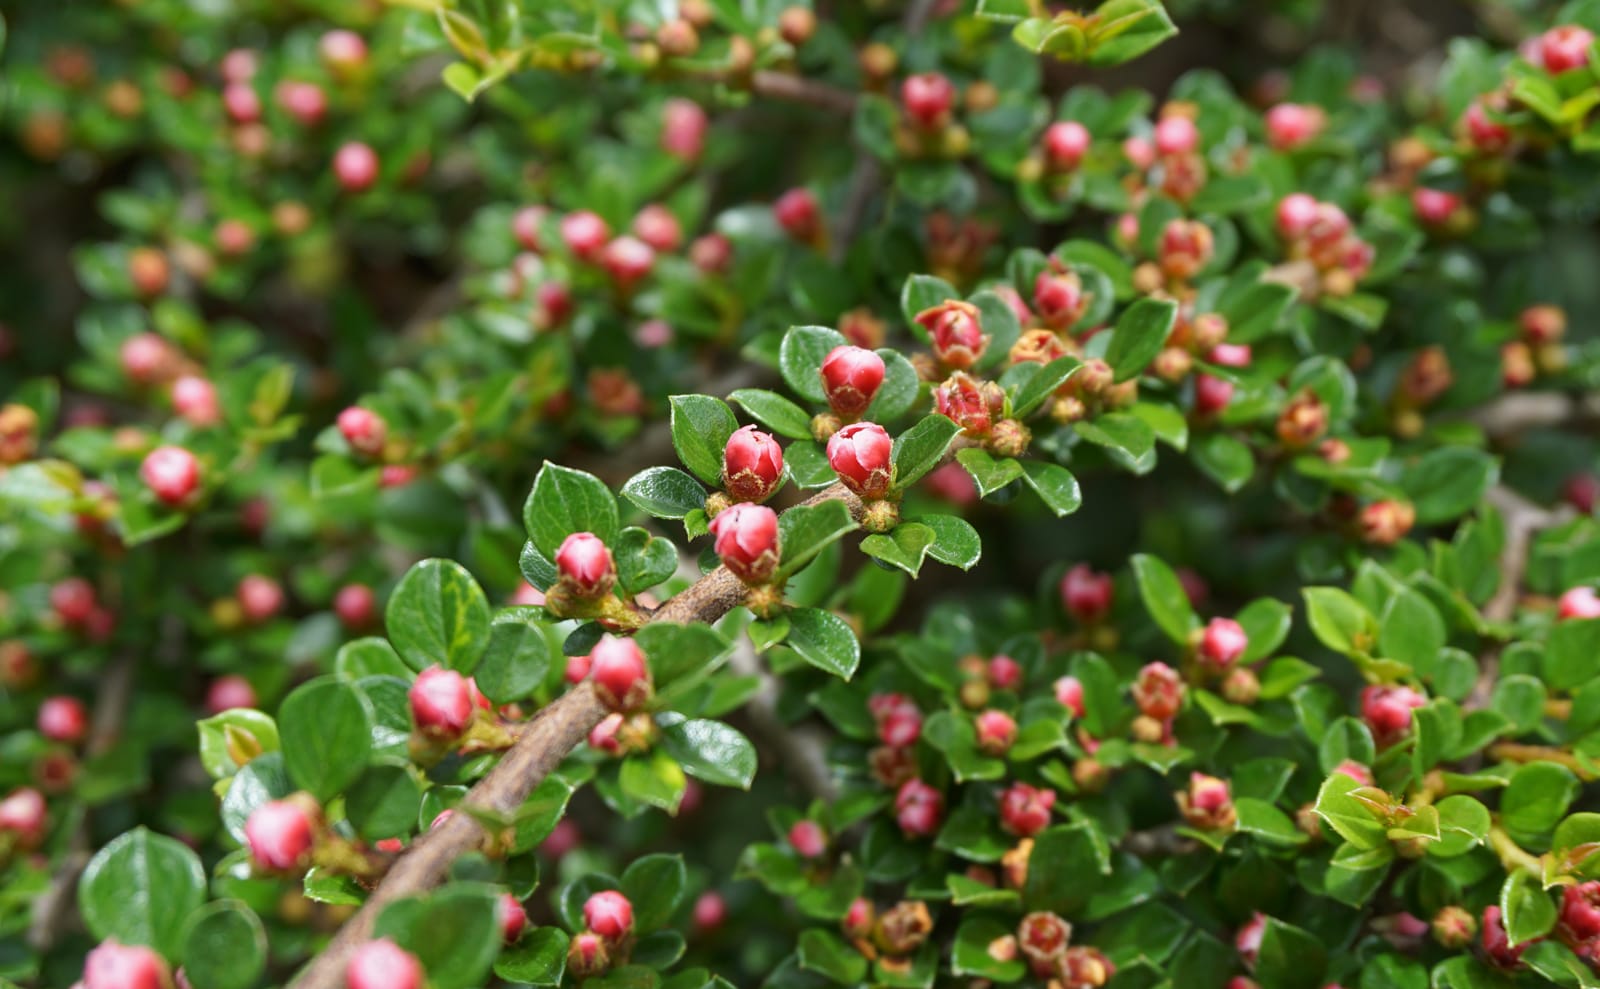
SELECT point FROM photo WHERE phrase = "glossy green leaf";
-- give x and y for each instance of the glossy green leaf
(141, 888)
(326, 727)
(438, 616)
(700, 426)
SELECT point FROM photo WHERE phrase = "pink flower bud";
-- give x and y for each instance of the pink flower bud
(1185, 248)
(747, 541)
(585, 234)
(1158, 692)
(63, 719)
(304, 101)
(1483, 132)
(195, 399)
(364, 430)
(899, 721)
(1140, 152)
(683, 129)
(962, 400)
(608, 914)
(526, 225)
(513, 918)
(356, 605)
(1565, 47)
(1003, 672)
(555, 303)
(627, 259)
(241, 103)
(238, 65)
(860, 454)
(711, 253)
(710, 910)
(1069, 694)
(73, 600)
(343, 51)
(1290, 125)
(355, 165)
(1176, 135)
(603, 736)
(621, 678)
(1296, 213)
(1580, 910)
(797, 213)
(1208, 804)
(927, 98)
(851, 376)
(1222, 643)
(1497, 944)
(1434, 207)
(171, 473)
(382, 964)
(441, 703)
(396, 475)
(280, 834)
(1230, 355)
(752, 465)
(259, 598)
(125, 966)
(919, 809)
(808, 839)
(577, 669)
(1059, 298)
(587, 955)
(1086, 594)
(585, 565)
(22, 813)
(1387, 710)
(657, 227)
(957, 332)
(229, 692)
(1355, 770)
(996, 731)
(1211, 394)
(1025, 810)
(1579, 602)
(1065, 144)
(1247, 940)
(952, 483)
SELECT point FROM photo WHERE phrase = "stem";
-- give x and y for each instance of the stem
(1517, 752)
(1511, 854)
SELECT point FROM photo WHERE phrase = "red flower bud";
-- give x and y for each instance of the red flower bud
(1434, 207)
(927, 98)
(1003, 673)
(683, 128)
(1158, 691)
(1453, 927)
(1207, 804)
(364, 430)
(241, 103)
(587, 955)
(1222, 643)
(710, 911)
(859, 918)
(280, 834)
(1211, 394)
(1025, 810)
(603, 737)
(621, 678)
(343, 51)
(1069, 694)
(259, 597)
(658, 227)
(229, 692)
(1355, 770)
(1059, 299)
(747, 541)
(356, 605)
(711, 252)
(797, 213)
(1387, 710)
(899, 721)
(608, 914)
(1140, 152)
(382, 964)
(1185, 248)
(22, 813)
(1565, 47)
(1089, 968)
(195, 399)
(585, 234)
(807, 839)
(1482, 132)
(1247, 940)
(1296, 214)
(752, 465)
(919, 809)
(125, 966)
(577, 669)
(1579, 602)
(996, 731)
(1386, 522)
(1497, 944)
(627, 259)
(586, 566)
(526, 224)
(304, 101)
(513, 918)
(63, 719)
(1289, 125)
(1230, 355)
(957, 332)
(1065, 144)
(171, 473)
(1043, 938)
(441, 703)
(859, 453)
(851, 376)
(1176, 135)
(1543, 323)
(396, 475)
(355, 166)
(73, 600)
(1086, 594)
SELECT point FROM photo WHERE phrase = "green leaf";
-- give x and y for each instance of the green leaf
(711, 751)
(1164, 598)
(970, 956)
(1139, 335)
(681, 652)
(899, 389)
(326, 728)
(1525, 908)
(453, 932)
(824, 640)
(806, 530)
(955, 542)
(140, 889)
(1266, 623)
(800, 358)
(1570, 652)
(1166, 422)
(1267, 823)
(538, 959)
(1342, 623)
(225, 946)
(239, 723)
(1361, 309)
(808, 467)
(775, 412)
(825, 953)
(564, 501)
(1463, 825)
(921, 448)
(1225, 459)
(643, 560)
(517, 658)
(1042, 384)
(369, 656)
(654, 779)
(1125, 29)
(1447, 483)
(904, 546)
(989, 474)
(1290, 957)
(1071, 860)
(1353, 820)
(1410, 629)
(1536, 799)
(701, 426)
(383, 802)
(1124, 434)
(1254, 312)
(1054, 485)
(664, 492)
(438, 615)
(655, 884)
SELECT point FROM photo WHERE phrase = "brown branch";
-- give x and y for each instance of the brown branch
(798, 89)
(558, 730)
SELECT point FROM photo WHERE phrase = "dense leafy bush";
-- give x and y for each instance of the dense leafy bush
(978, 524)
